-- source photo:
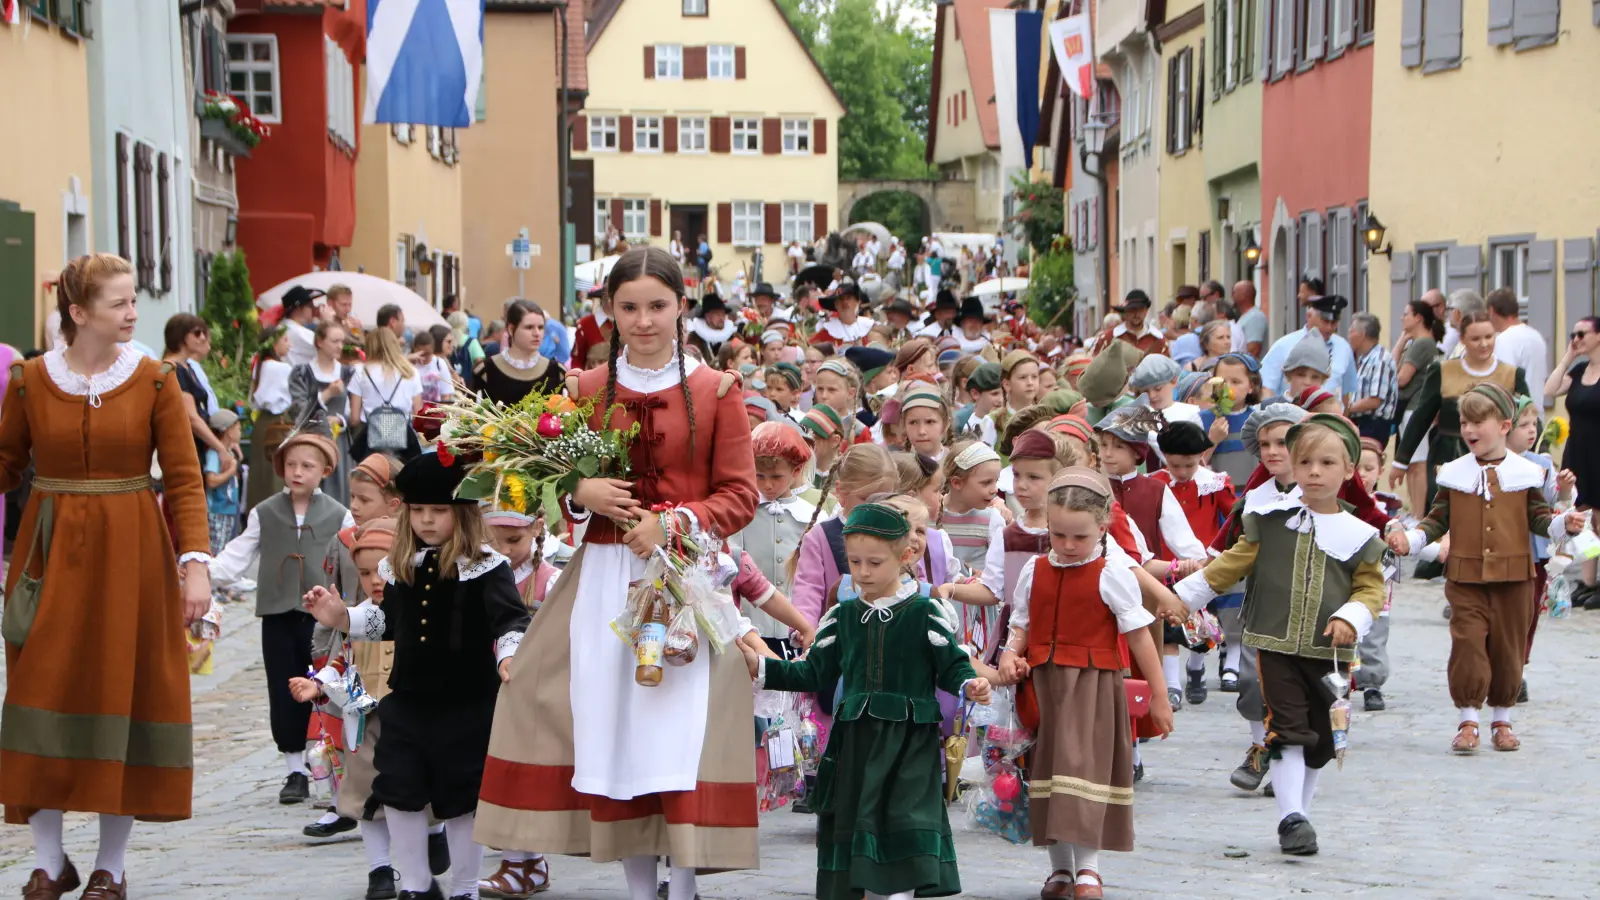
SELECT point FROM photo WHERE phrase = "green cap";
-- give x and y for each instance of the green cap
(878, 520)
(1339, 425)
(984, 378)
(788, 372)
(1502, 398)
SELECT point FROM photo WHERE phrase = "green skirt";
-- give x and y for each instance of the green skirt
(881, 817)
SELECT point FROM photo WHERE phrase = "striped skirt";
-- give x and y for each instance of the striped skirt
(1080, 779)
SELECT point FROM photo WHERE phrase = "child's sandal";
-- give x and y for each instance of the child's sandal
(1466, 740)
(1503, 738)
(1094, 891)
(1058, 886)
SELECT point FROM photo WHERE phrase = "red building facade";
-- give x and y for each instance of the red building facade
(1316, 127)
(300, 59)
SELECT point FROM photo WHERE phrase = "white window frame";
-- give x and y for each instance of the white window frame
(749, 130)
(1437, 257)
(721, 62)
(1131, 100)
(635, 211)
(601, 127)
(402, 260)
(341, 83)
(749, 223)
(602, 218)
(669, 62)
(799, 221)
(797, 137)
(694, 7)
(1230, 40)
(251, 66)
(647, 134)
(693, 134)
(1183, 116)
(1512, 255)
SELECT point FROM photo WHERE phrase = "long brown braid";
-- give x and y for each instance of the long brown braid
(683, 380)
(827, 485)
(648, 262)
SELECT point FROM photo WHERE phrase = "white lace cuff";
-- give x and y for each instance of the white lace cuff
(506, 646)
(576, 513)
(367, 623)
(327, 675)
(202, 558)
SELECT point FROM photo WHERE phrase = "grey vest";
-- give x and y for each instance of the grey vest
(291, 559)
(770, 539)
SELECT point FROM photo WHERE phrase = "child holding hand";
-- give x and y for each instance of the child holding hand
(877, 783)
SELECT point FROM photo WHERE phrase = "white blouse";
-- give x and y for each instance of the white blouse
(1119, 589)
(272, 387)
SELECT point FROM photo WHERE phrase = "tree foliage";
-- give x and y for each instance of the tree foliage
(230, 310)
(1050, 285)
(1041, 211)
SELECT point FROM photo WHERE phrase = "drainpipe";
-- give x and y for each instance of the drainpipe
(563, 155)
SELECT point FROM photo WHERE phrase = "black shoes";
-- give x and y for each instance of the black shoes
(438, 854)
(1138, 772)
(432, 893)
(1250, 772)
(1195, 693)
(296, 789)
(1374, 700)
(329, 829)
(1230, 681)
(380, 884)
(1522, 693)
(1296, 837)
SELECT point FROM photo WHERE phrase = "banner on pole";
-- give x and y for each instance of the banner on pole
(1074, 48)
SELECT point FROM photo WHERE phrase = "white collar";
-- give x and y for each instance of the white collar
(1149, 329)
(488, 560)
(513, 362)
(1205, 481)
(712, 335)
(852, 332)
(1267, 498)
(1128, 477)
(1059, 563)
(649, 381)
(600, 317)
(1514, 473)
(92, 386)
(521, 573)
(1339, 535)
(332, 373)
(883, 607)
(1465, 367)
(790, 503)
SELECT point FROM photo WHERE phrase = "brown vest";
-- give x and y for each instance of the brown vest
(1489, 539)
(1141, 498)
(1068, 622)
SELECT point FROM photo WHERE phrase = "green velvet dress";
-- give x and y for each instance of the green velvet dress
(881, 817)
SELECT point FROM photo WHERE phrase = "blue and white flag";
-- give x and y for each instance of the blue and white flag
(424, 61)
(1015, 41)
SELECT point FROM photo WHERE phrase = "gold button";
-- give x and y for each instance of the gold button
(427, 587)
(424, 621)
(423, 639)
(424, 604)
(1488, 528)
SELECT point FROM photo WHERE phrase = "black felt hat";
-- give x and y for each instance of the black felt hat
(846, 288)
(1183, 438)
(764, 289)
(299, 296)
(427, 481)
(946, 300)
(972, 308)
(711, 303)
(1136, 299)
(902, 306)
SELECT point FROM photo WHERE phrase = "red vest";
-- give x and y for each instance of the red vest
(589, 334)
(1141, 497)
(1068, 623)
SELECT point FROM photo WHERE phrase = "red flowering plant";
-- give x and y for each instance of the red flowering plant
(241, 121)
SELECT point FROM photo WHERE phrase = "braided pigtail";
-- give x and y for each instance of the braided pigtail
(827, 485)
(683, 383)
(611, 374)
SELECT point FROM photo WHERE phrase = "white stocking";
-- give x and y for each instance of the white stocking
(641, 872)
(1310, 790)
(408, 833)
(48, 854)
(1195, 662)
(466, 856)
(113, 853)
(375, 838)
(681, 883)
(1289, 781)
(1061, 858)
(1088, 861)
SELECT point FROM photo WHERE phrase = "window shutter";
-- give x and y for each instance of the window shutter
(616, 214)
(819, 219)
(1441, 35)
(1172, 105)
(655, 218)
(1251, 38)
(771, 136)
(1219, 63)
(1410, 34)
(1463, 268)
(772, 215)
(669, 134)
(625, 133)
(1536, 23)
(124, 245)
(1283, 38)
(649, 60)
(1577, 264)
(694, 62)
(1342, 30)
(1500, 16)
(1094, 222)
(1542, 290)
(147, 237)
(1316, 29)
(724, 223)
(721, 136)
(1313, 259)
(1198, 121)
(1399, 286)
(819, 137)
(1597, 13)
(738, 63)
(580, 133)
(164, 233)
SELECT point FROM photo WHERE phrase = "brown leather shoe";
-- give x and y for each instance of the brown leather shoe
(101, 887)
(1058, 886)
(40, 887)
(1466, 739)
(1504, 739)
(1094, 891)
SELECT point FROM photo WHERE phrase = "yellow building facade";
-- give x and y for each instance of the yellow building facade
(1483, 158)
(1185, 221)
(708, 119)
(408, 209)
(47, 183)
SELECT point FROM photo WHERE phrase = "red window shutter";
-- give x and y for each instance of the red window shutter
(819, 215)
(625, 133)
(771, 136)
(721, 135)
(649, 60)
(694, 62)
(738, 63)
(616, 214)
(580, 132)
(669, 134)
(655, 218)
(124, 244)
(963, 106)
(819, 136)
(773, 224)
(724, 223)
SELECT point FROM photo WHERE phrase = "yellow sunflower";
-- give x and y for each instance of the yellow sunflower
(488, 432)
(518, 493)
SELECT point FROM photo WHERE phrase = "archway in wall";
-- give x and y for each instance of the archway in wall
(1282, 280)
(905, 214)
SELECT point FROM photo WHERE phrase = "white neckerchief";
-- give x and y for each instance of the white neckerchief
(1339, 535)
(1267, 498)
(92, 386)
(855, 331)
(712, 335)
(1205, 481)
(649, 381)
(790, 503)
(600, 317)
(1470, 476)
(513, 362)
(883, 608)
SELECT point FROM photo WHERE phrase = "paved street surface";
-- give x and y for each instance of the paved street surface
(1405, 819)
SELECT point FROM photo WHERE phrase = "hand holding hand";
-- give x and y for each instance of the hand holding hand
(1341, 633)
(609, 497)
(751, 660)
(804, 639)
(1172, 610)
(1574, 521)
(196, 592)
(1013, 668)
(978, 691)
(1398, 542)
(304, 690)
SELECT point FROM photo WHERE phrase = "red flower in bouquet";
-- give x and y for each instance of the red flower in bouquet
(549, 426)
(445, 456)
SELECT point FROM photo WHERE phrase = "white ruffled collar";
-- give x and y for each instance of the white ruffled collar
(513, 362)
(712, 335)
(1205, 481)
(790, 503)
(488, 560)
(523, 572)
(1469, 476)
(1060, 563)
(649, 381)
(92, 386)
(855, 331)
(1340, 535)
(1267, 498)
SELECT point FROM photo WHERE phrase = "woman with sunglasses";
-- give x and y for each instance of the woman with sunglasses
(1577, 377)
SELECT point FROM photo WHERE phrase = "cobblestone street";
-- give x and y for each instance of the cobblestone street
(1390, 825)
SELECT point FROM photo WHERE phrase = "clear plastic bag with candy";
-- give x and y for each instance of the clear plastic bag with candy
(683, 638)
(1202, 633)
(999, 803)
(1558, 589)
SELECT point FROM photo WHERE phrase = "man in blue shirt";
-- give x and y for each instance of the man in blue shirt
(557, 342)
(1322, 320)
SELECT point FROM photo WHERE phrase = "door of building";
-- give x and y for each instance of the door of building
(17, 306)
(580, 185)
(689, 220)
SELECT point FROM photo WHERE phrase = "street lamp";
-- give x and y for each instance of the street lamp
(1372, 234)
(1094, 144)
(1252, 250)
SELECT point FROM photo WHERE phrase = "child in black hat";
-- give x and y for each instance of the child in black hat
(453, 648)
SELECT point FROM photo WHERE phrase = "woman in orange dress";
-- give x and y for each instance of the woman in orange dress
(96, 712)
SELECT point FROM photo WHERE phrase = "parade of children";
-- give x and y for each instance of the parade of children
(842, 589)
